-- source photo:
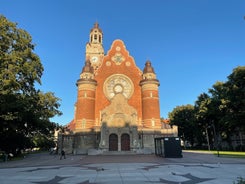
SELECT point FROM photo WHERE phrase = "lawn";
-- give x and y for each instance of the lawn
(234, 154)
(231, 154)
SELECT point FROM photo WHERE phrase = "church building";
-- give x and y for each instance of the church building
(117, 107)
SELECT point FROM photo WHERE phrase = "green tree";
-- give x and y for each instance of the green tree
(235, 104)
(235, 96)
(206, 112)
(24, 110)
(184, 117)
(222, 112)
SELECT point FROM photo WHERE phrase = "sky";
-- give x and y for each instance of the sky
(192, 44)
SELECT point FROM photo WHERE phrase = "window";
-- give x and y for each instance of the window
(152, 122)
(151, 95)
(84, 123)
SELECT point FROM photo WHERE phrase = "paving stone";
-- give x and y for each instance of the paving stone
(79, 169)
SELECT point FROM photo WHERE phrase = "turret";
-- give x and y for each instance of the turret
(150, 98)
(85, 106)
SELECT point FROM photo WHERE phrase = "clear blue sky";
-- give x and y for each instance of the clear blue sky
(191, 43)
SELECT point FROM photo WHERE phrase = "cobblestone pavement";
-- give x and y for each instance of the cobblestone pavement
(122, 169)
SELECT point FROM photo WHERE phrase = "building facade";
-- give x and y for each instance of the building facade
(117, 107)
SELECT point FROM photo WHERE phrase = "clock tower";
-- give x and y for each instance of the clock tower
(94, 48)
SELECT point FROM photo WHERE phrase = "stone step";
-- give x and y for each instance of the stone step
(119, 153)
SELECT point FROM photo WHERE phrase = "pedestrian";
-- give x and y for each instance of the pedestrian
(5, 157)
(63, 154)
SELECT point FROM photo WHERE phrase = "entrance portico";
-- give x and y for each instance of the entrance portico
(119, 139)
(121, 144)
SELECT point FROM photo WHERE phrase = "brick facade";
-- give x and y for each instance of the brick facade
(116, 101)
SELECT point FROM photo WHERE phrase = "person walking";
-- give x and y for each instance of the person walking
(63, 154)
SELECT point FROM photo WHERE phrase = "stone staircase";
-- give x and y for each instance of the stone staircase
(144, 151)
(119, 153)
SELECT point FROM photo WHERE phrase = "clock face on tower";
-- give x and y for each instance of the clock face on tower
(118, 83)
(94, 59)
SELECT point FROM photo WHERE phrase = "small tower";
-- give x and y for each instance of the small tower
(85, 106)
(150, 98)
(96, 35)
(94, 48)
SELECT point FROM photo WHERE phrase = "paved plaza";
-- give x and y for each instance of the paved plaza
(193, 168)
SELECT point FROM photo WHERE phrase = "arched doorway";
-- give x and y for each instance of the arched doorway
(125, 142)
(113, 142)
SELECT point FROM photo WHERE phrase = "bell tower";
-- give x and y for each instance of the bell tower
(150, 98)
(94, 48)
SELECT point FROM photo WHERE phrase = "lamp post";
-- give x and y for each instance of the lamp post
(207, 138)
(216, 139)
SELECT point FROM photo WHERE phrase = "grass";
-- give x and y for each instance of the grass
(230, 154)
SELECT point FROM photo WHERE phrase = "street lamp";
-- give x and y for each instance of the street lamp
(216, 139)
(207, 138)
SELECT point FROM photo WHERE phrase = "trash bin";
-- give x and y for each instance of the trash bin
(168, 147)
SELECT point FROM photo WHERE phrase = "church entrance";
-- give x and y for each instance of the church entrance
(113, 142)
(125, 142)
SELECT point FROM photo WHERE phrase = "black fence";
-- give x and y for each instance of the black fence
(168, 147)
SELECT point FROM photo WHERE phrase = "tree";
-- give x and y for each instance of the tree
(206, 112)
(20, 66)
(24, 110)
(184, 117)
(235, 95)
(218, 114)
(223, 111)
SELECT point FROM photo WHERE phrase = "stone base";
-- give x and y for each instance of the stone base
(95, 152)
(93, 143)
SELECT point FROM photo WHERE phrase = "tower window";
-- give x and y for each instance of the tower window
(100, 38)
(151, 95)
(84, 123)
(95, 37)
(152, 122)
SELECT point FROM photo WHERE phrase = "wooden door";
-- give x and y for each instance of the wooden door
(113, 142)
(125, 142)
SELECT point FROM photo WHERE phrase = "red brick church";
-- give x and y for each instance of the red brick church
(117, 107)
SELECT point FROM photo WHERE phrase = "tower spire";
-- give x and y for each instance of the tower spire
(96, 24)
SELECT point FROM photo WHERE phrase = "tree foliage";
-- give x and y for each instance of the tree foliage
(184, 117)
(235, 97)
(24, 110)
(220, 112)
